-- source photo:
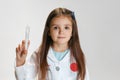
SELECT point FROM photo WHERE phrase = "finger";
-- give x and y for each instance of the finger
(16, 50)
(17, 53)
(23, 44)
(19, 47)
(24, 52)
(23, 41)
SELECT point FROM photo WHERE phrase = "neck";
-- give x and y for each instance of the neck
(60, 48)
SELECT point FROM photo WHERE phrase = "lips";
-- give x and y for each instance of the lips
(61, 37)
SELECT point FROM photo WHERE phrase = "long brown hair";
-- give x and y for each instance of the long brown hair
(74, 44)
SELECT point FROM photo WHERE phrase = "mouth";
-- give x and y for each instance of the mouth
(61, 37)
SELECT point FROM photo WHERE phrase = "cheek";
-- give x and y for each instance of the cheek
(69, 33)
(53, 35)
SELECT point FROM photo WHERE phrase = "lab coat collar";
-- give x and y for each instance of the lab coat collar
(51, 56)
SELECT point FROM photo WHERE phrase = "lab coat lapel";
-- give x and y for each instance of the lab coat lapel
(51, 55)
(53, 58)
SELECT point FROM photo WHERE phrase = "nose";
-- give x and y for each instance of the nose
(61, 31)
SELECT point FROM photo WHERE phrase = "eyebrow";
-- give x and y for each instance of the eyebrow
(57, 24)
(69, 24)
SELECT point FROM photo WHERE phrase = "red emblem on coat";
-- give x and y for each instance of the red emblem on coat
(73, 67)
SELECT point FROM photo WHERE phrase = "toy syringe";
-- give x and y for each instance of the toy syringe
(27, 33)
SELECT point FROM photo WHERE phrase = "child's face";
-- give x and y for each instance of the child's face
(61, 30)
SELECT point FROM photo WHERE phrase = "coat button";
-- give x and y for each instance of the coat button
(57, 68)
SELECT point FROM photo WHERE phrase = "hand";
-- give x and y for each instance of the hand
(21, 53)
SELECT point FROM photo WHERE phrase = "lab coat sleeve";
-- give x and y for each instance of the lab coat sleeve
(29, 70)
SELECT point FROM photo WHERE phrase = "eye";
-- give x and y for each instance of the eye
(66, 27)
(55, 27)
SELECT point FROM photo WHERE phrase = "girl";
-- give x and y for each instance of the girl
(59, 57)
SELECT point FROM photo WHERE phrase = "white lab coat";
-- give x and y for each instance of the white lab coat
(58, 70)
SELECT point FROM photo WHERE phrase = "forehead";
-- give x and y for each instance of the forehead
(61, 20)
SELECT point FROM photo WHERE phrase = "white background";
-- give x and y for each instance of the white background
(99, 30)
